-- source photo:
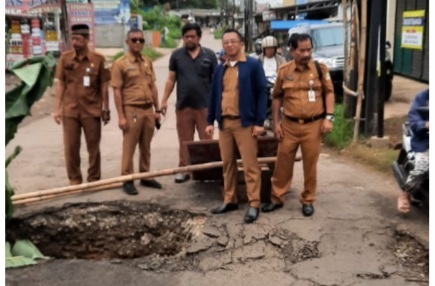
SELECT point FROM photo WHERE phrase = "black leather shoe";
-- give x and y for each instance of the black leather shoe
(181, 178)
(151, 184)
(251, 215)
(307, 209)
(129, 188)
(225, 208)
(270, 207)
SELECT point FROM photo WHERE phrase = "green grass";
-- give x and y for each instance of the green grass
(218, 33)
(174, 33)
(168, 43)
(341, 134)
(149, 52)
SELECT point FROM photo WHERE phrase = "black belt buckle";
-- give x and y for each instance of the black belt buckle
(231, 117)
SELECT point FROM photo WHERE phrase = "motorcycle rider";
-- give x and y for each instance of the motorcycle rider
(419, 123)
(269, 58)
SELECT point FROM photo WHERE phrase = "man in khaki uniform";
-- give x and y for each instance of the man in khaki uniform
(238, 103)
(82, 101)
(133, 81)
(299, 89)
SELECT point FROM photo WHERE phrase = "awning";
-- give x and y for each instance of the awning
(285, 25)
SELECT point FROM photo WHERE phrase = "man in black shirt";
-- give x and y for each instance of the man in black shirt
(191, 67)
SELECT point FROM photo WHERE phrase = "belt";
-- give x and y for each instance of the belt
(231, 117)
(142, 106)
(305, 120)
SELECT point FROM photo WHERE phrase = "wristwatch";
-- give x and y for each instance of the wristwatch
(330, 117)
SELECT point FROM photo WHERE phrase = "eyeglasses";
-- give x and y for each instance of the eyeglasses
(140, 40)
(226, 43)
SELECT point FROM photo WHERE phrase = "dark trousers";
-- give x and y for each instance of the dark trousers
(72, 131)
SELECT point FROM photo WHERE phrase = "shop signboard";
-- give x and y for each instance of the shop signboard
(20, 7)
(412, 29)
(82, 14)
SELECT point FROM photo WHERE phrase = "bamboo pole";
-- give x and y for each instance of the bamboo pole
(54, 196)
(361, 70)
(92, 185)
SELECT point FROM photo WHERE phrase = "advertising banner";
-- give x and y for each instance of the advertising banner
(112, 12)
(412, 29)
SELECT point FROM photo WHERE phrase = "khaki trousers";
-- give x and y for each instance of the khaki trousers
(187, 120)
(233, 136)
(72, 131)
(139, 131)
(309, 137)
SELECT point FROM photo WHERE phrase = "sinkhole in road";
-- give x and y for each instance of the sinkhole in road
(105, 230)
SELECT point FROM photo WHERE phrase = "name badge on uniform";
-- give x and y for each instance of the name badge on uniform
(311, 93)
(86, 81)
(311, 96)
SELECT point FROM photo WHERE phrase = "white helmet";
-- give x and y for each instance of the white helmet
(269, 42)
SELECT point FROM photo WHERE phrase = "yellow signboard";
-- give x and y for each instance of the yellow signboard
(412, 29)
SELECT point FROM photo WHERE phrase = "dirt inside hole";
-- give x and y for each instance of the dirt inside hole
(105, 230)
(413, 255)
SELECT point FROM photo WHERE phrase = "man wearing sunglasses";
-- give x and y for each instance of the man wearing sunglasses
(192, 68)
(82, 102)
(133, 82)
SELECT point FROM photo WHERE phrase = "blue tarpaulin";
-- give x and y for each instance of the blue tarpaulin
(285, 25)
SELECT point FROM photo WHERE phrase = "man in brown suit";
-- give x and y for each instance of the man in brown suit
(82, 102)
(307, 115)
(238, 103)
(133, 82)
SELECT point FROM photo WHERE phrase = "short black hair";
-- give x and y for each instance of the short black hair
(134, 30)
(191, 26)
(296, 38)
(233, 31)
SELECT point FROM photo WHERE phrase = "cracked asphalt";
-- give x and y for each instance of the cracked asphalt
(350, 240)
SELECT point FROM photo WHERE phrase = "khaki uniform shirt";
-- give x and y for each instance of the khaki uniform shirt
(230, 90)
(293, 86)
(135, 77)
(81, 100)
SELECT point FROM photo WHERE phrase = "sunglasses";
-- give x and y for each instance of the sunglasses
(140, 40)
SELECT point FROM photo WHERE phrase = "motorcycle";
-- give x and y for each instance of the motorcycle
(405, 164)
(268, 123)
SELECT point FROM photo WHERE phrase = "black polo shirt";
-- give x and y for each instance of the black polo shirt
(193, 77)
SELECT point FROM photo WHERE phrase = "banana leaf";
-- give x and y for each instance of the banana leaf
(16, 261)
(36, 75)
(9, 189)
(27, 249)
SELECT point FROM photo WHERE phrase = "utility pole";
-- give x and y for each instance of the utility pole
(234, 12)
(226, 13)
(249, 23)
